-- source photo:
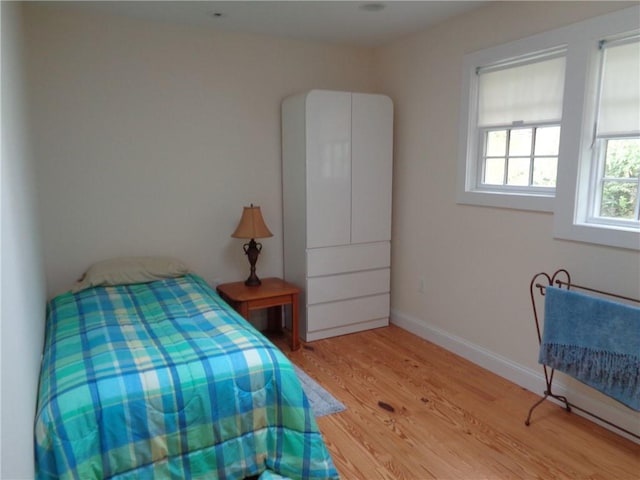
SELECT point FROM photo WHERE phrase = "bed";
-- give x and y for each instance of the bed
(162, 379)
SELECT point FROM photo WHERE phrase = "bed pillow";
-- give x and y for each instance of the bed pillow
(128, 270)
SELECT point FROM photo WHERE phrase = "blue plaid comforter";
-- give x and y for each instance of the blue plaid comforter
(165, 380)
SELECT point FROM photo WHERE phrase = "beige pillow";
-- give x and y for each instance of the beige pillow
(127, 270)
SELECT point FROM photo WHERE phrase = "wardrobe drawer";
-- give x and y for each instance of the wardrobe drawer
(348, 258)
(348, 285)
(347, 312)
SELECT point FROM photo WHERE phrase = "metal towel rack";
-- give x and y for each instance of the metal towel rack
(562, 279)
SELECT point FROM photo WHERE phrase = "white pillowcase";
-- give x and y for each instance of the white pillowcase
(128, 270)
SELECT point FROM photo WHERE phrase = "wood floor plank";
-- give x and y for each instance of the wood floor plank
(417, 411)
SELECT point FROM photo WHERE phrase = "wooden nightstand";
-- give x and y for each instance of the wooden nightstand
(274, 293)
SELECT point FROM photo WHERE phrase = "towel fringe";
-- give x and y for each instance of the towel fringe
(603, 370)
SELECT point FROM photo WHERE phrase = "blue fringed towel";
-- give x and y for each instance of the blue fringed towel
(594, 340)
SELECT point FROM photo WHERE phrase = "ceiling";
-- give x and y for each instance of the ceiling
(361, 23)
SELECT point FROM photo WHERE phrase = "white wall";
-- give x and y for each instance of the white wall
(476, 262)
(150, 138)
(22, 281)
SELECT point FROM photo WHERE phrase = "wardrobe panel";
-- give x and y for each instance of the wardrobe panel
(371, 167)
(328, 121)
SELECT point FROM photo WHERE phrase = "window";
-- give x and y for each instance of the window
(618, 174)
(616, 154)
(521, 157)
(513, 124)
(519, 113)
(552, 123)
(597, 192)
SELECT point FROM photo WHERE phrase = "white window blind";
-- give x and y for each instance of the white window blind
(620, 90)
(529, 93)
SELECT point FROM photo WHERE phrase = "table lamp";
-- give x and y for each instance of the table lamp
(252, 226)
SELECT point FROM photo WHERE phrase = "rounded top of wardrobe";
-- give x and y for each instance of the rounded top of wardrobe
(323, 92)
(325, 95)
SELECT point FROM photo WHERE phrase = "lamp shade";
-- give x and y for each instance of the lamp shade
(251, 224)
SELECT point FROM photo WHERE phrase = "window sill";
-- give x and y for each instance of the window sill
(483, 198)
(611, 236)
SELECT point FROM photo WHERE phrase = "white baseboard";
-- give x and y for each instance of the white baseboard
(525, 377)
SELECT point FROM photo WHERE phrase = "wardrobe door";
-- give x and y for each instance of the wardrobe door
(328, 130)
(371, 167)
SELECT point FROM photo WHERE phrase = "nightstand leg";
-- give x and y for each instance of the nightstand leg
(243, 310)
(295, 341)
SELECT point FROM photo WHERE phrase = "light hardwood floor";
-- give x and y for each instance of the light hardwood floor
(451, 419)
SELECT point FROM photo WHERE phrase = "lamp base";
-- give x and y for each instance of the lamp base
(253, 280)
(252, 249)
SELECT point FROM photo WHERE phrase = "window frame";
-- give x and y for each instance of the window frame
(600, 146)
(571, 202)
(573, 214)
(470, 188)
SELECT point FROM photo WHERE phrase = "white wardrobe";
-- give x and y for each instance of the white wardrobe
(337, 176)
